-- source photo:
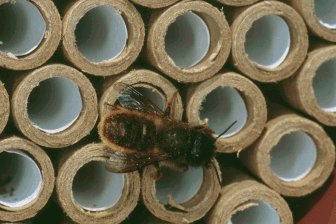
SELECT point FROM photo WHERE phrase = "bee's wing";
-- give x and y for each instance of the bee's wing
(126, 162)
(131, 98)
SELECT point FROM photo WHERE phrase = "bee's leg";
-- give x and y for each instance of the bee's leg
(170, 104)
(158, 173)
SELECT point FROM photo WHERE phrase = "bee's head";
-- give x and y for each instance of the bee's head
(202, 148)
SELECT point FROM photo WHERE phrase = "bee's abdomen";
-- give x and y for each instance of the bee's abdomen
(127, 130)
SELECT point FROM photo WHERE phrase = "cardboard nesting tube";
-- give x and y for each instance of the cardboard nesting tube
(155, 3)
(55, 106)
(244, 200)
(195, 191)
(31, 33)
(29, 177)
(319, 16)
(226, 98)
(294, 156)
(237, 2)
(157, 88)
(196, 20)
(279, 51)
(116, 18)
(97, 195)
(5, 107)
(311, 90)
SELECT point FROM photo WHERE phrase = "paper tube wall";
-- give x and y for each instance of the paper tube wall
(294, 155)
(244, 200)
(155, 3)
(30, 33)
(270, 41)
(224, 99)
(27, 179)
(4, 108)
(199, 49)
(319, 16)
(168, 42)
(88, 193)
(55, 106)
(102, 53)
(238, 2)
(312, 89)
(180, 197)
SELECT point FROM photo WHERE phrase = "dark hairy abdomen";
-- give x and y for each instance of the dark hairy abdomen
(130, 131)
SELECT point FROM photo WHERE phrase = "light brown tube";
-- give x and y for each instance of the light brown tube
(26, 155)
(247, 107)
(4, 109)
(294, 155)
(241, 194)
(194, 208)
(309, 90)
(307, 8)
(288, 28)
(68, 91)
(161, 90)
(155, 3)
(86, 54)
(238, 2)
(202, 18)
(43, 19)
(78, 204)
(25, 222)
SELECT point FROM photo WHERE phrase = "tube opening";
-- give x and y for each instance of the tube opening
(22, 27)
(268, 41)
(187, 40)
(20, 179)
(261, 213)
(221, 107)
(326, 13)
(101, 34)
(294, 156)
(324, 86)
(95, 188)
(55, 104)
(182, 186)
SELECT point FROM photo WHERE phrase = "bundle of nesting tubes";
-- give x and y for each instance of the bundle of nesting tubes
(167, 111)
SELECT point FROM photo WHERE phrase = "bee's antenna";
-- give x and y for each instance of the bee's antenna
(226, 130)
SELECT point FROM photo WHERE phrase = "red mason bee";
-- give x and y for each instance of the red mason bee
(140, 134)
